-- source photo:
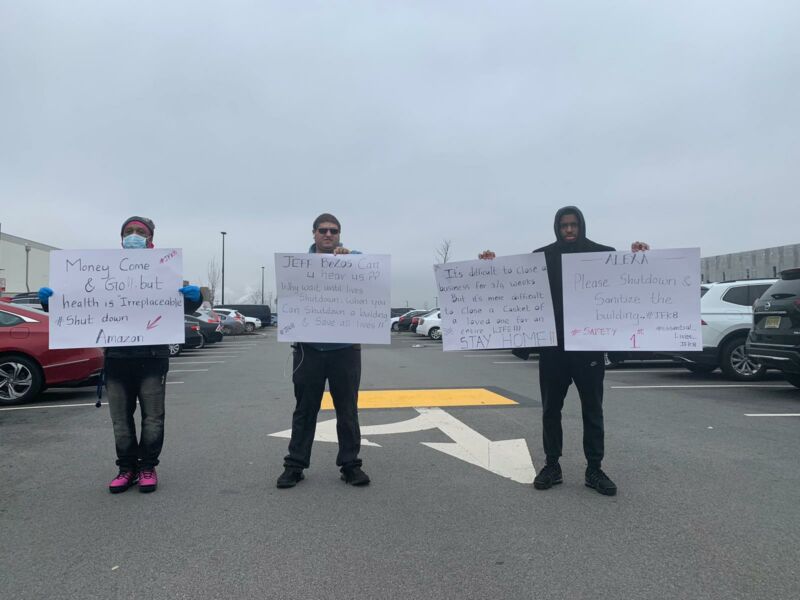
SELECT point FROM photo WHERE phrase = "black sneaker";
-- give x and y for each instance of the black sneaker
(548, 477)
(355, 476)
(596, 479)
(290, 477)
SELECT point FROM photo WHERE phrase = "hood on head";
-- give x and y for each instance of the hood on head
(570, 210)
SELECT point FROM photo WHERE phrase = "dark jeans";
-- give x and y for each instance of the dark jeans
(126, 380)
(557, 369)
(342, 369)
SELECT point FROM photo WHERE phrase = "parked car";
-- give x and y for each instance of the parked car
(399, 312)
(404, 322)
(210, 327)
(27, 299)
(28, 366)
(613, 359)
(775, 338)
(431, 325)
(250, 323)
(261, 312)
(415, 320)
(191, 335)
(727, 316)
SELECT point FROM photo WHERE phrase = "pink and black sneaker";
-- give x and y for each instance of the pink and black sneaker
(123, 481)
(148, 480)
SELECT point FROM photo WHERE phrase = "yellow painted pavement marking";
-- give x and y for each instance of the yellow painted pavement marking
(426, 398)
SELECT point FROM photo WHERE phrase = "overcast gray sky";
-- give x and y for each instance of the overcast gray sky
(672, 122)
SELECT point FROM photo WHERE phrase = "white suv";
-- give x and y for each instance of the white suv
(727, 317)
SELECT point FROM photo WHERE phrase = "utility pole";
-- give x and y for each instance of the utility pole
(223, 265)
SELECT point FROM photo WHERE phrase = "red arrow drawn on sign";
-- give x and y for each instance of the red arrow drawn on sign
(151, 324)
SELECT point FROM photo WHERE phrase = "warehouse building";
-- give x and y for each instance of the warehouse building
(754, 264)
(24, 264)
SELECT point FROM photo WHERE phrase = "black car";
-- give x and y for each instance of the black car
(210, 329)
(28, 299)
(192, 337)
(404, 322)
(775, 338)
(259, 311)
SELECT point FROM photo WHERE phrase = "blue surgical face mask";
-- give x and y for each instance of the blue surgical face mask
(134, 241)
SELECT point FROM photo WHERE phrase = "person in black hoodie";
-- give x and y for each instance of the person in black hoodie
(137, 372)
(559, 368)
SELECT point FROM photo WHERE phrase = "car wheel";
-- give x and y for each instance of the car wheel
(737, 365)
(249, 327)
(395, 327)
(20, 379)
(202, 342)
(696, 368)
(174, 349)
(793, 378)
(435, 333)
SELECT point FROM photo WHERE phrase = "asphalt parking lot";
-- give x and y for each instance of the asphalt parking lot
(707, 471)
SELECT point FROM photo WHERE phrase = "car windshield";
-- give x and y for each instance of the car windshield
(783, 288)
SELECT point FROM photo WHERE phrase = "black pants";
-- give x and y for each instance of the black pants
(557, 369)
(126, 380)
(342, 369)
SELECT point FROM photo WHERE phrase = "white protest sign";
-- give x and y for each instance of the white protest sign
(632, 301)
(104, 298)
(500, 303)
(342, 298)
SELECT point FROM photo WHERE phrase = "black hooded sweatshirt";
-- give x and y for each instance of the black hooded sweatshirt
(552, 254)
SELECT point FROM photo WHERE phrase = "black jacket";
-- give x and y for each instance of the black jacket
(552, 254)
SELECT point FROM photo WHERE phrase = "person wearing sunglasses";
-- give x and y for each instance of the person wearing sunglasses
(313, 364)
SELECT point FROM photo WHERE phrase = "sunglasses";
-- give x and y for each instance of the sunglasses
(328, 230)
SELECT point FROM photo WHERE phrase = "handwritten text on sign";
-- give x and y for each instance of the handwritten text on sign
(106, 298)
(341, 298)
(502, 303)
(632, 301)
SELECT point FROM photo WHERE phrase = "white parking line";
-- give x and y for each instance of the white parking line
(486, 355)
(772, 415)
(512, 362)
(174, 382)
(46, 406)
(188, 370)
(202, 362)
(738, 385)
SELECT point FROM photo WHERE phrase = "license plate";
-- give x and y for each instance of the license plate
(772, 323)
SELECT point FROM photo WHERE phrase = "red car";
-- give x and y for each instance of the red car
(28, 366)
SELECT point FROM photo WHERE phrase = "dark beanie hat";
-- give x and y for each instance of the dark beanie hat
(150, 225)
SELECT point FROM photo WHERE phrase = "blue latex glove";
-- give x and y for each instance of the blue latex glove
(192, 292)
(44, 295)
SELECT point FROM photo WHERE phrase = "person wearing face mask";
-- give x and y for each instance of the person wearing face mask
(314, 364)
(559, 368)
(137, 372)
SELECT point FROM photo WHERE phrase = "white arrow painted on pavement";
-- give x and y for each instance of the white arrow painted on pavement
(507, 458)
